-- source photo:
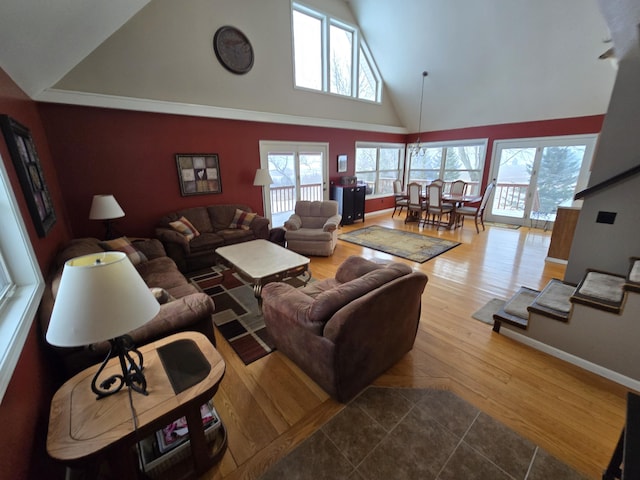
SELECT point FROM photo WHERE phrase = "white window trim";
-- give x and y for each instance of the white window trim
(358, 43)
(447, 144)
(379, 145)
(19, 310)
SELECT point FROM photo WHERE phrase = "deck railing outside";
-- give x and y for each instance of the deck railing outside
(509, 197)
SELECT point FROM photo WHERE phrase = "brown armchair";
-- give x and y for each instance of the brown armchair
(346, 331)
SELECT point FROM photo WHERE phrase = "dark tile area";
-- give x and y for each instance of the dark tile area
(425, 434)
(466, 463)
(501, 445)
(386, 405)
(316, 458)
(449, 410)
(416, 448)
(545, 466)
(354, 433)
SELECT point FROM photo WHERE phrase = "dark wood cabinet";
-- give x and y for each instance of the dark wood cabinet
(350, 200)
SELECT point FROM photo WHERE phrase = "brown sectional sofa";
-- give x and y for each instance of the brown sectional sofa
(346, 331)
(187, 309)
(213, 225)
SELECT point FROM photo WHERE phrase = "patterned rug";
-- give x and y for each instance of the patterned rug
(412, 246)
(237, 316)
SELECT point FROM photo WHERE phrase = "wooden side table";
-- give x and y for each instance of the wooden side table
(81, 427)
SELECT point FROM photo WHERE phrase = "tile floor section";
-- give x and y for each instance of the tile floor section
(422, 434)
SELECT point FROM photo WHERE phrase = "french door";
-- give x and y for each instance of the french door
(535, 176)
(299, 171)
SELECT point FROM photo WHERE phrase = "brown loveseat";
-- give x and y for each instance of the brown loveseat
(216, 226)
(185, 308)
(346, 331)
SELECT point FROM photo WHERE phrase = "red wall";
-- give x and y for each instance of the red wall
(132, 155)
(24, 410)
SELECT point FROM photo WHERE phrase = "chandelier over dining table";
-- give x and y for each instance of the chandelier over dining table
(418, 148)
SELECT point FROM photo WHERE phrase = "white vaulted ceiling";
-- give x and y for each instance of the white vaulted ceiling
(489, 62)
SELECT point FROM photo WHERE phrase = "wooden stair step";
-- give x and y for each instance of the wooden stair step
(601, 290)
(633, 277)
(553, 301)
(515, 310)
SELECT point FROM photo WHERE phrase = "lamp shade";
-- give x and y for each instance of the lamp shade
(105, 207)
(262, 178)
(101, 296)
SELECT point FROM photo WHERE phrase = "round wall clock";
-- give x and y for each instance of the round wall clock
(233, 49)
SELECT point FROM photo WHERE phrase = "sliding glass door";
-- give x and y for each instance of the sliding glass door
(536, 176)
(299, 172)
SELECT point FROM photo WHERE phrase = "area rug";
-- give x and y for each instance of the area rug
(412, 246)
(503, 225)
(426, 434)
(237, 316)
(485, 314)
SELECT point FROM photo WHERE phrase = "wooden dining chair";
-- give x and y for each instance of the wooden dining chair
(477, 212)
(436, 207)
(401, 200)
(416, 205)
(458, 187)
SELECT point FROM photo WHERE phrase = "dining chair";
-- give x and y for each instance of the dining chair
(436, 207)
(416, 205)
(458, 187)
(477, 212)
(400, 198)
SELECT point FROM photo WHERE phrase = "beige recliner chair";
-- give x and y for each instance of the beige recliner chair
(312, 229)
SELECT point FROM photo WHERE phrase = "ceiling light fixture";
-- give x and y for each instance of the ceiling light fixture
(415, 149)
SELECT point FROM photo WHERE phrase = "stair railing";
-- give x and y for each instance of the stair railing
(607, 183)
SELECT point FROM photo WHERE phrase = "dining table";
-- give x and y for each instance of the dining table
(458, 200)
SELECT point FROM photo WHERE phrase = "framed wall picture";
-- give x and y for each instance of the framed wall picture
(198, 173)
(27, 164)
(342, 163)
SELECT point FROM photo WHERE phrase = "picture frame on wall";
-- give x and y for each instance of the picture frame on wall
(342, 163)
(25, 159)
(198, 173)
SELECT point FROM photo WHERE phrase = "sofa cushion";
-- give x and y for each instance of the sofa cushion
(232, 236)
(309, 234)
(185, 227)
(355, 267)
(206, 242)
(221, 216)
(242, 219)
(330, 301)
(199, 218)
(123, 244)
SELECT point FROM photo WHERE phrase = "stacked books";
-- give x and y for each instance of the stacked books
(176, 433)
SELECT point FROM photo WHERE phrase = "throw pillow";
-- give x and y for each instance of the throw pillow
(242, 219)
(123, 244)
(162, 296)
(185, 227)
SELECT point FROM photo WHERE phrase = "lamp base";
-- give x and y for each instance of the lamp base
(131, 376)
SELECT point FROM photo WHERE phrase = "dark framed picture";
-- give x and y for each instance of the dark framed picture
(342, 163)
(27, 164)
(198, 173)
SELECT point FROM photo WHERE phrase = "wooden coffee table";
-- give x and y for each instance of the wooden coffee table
(81, 427)
(260, 262)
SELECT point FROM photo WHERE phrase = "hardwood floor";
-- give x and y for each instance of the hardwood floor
(270, 406)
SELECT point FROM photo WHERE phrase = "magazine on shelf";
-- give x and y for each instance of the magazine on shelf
(177, 432)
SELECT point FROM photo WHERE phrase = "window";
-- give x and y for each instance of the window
(378, 165)
(449, 161)
(330, 56)
(21, 282)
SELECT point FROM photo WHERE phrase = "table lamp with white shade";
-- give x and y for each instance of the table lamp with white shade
(102, 297)
(105, 208)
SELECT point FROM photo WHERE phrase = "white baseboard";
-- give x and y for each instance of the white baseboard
(567, 357)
